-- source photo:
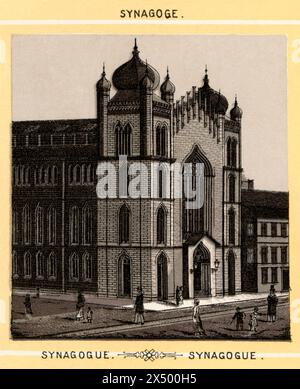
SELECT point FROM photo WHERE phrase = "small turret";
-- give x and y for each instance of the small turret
(236, 112)
(103, 84)
(167, 89)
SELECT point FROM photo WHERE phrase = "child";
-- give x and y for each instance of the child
(253, 320)
(89, 315)
(239, 316)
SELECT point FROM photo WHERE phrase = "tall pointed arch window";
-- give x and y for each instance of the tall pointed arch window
(231, 229)
(161, 141)
(27, 265)
(15, 265)
(228, 151)
(39, 265)
(39, 225)
(124, 224)
(52, 225)
(86, 225)
(15, 226)
(123, 139)
(52, 266)
(26, 224)
(161, 226)
(231, 188)
(87, 266)
(74, 225)
(74, 267)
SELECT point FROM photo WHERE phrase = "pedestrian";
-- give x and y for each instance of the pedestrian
(199, 330)
(27, 304)
(80, 306)
(89, 315)
(253, 320)
(37, 293)
(239, 317)
(272, 306)
(139, 307)
(177, 295)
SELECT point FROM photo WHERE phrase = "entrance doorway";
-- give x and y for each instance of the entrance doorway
(162, 277)
(231, 273)
(202, 272)
(285, 280)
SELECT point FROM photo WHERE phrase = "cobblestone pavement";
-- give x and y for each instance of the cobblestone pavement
(57, 317)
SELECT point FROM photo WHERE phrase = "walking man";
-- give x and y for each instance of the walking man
(139, 307)
(199, 330)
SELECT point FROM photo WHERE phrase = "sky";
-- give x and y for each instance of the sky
(54, 77)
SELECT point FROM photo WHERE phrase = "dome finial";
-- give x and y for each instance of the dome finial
(103, 72)
(135, 48)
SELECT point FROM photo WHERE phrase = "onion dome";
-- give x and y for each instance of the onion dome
(236, 113)
(167, 87)
(218, 102)
(103, 84)
(146, 82)
(129, 75)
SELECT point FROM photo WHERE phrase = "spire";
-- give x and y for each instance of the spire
(167, 76)
(235, 101)
(103, 84)
(206, 79)
(135, 51)
(103, 72)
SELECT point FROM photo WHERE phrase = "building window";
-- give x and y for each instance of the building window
(231, 189)
(250, 255)
(74, 267)
(264, 255)
(52, 270)
(39, 266)
(52, 225)
(15, 226)
(86, 225)
(284, 256)
(27, 265)
(124, 224)
(87, 266)
(123, 139)
(26, 224)
(233, 152)
(264, 229)
(74, 225)
(229, 152)
(161, 141)
(274, 275)
(161, 225)
(15, 267)
(77, 175)
(250, 229)
(274, 254)
(273, 229)
(284, 230)
(264, 275)
(231, 217)
(39, 225)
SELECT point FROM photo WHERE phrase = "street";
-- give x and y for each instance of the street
(56, 319)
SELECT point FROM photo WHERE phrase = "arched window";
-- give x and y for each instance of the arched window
(161, 141)
(39, 265)
(90, 174)
(231, 222)
(15, 226)
(26, 224)
(54, 175)
(233, 152)
(161, 226)
(87, 266)
(228, 152)
(74, 266)
(15, 265)
(77, 174)
(42, 175)
(124, 276)
(123, 139)
(124, 224)
(52, 269)
(39, 225)
(231, 189)
(27, 265)
(71, 175)
(86, 225)
(74, 225)
(52, 225)
(84, 174)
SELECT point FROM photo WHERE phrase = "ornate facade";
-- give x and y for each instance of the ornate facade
(65, 238)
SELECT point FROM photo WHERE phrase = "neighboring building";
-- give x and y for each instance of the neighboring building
(265, 242)
(65, 238)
